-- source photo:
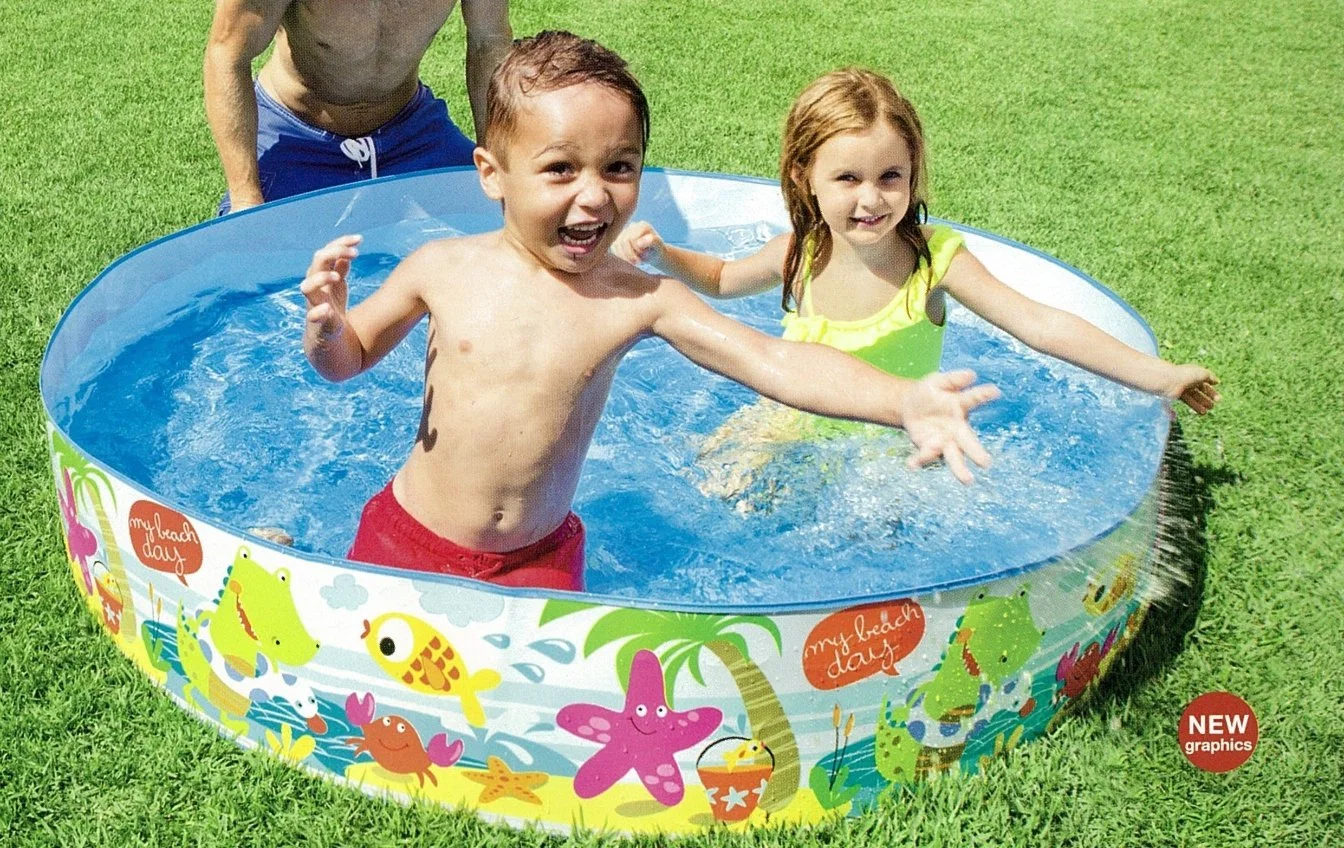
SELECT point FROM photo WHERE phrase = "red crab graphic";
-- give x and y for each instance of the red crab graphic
(394, 744)
(1077, 673)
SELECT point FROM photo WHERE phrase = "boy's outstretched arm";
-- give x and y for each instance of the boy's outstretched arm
(1066, 336)
(826, 381)
(761, 271)
(341, 343)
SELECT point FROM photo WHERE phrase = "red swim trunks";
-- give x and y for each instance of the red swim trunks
(389, 535)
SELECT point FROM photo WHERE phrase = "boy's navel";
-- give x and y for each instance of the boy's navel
(464, 346)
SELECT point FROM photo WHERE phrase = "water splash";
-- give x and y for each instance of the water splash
(531, 671)
(560, 650)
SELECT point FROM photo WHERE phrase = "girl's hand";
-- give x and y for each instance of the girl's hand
(638, 242)
(1193, 386)
(325, 287)
(934, 412)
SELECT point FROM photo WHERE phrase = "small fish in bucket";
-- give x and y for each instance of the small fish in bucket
(735, 771)
(109, 596)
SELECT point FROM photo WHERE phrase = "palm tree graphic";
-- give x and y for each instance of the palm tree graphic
(89, 482)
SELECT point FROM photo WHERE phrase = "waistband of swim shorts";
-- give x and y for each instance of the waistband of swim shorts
(471, 560)
(422, 93)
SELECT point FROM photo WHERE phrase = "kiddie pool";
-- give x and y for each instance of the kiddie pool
(619, 710)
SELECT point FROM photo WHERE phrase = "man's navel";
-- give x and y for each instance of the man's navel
(464, 346)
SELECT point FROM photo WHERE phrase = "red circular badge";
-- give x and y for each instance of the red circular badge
(1218, 731)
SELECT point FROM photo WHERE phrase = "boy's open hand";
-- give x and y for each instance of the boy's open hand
(638, 242)
(1193, 385)
(325, 286)
(934, 414)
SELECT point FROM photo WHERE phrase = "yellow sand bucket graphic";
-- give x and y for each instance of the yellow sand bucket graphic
(735, 771)
(108, 597)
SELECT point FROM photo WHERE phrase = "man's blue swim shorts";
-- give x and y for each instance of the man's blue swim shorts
(294, 156)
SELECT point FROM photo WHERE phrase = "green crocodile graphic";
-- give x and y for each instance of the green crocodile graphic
(994, 639)
(253, 626)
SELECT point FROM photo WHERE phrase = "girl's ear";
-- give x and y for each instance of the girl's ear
(488, 168)
(798, 176)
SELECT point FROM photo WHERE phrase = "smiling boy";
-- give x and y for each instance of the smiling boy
(528, 323)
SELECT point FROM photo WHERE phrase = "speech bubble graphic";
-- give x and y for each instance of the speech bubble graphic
(164, 539)
(858, 642)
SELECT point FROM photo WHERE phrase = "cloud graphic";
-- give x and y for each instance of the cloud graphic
(345, 593)
(458, 606)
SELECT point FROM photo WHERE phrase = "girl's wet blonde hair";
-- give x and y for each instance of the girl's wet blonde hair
(843, 101)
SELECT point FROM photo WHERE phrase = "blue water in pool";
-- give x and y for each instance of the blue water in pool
(217, 411)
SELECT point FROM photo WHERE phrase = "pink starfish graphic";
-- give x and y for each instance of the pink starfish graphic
(644, 736)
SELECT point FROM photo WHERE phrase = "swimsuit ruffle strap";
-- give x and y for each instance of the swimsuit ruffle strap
(905, 310)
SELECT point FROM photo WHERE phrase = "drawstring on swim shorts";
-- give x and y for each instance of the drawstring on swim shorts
(361, 150)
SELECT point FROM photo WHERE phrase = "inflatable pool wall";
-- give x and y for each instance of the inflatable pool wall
(571, 710)
(566, 711)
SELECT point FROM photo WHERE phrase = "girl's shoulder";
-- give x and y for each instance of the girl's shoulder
(944, 244)
(939, 234)
(773, 254)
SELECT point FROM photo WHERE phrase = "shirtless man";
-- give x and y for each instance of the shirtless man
(340, 98)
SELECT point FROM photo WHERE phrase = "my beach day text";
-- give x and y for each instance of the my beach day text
(861, 641)
(164, 539)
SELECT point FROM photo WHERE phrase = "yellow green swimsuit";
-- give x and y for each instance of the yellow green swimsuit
(899, 338)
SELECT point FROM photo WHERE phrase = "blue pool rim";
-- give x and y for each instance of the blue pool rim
(600, 598)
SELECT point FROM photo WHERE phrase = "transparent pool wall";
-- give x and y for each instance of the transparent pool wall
(561, 709)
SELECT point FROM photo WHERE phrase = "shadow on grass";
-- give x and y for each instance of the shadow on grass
(1187, 501)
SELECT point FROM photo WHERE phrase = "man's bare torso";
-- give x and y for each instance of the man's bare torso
(518, 369)
(348, 66)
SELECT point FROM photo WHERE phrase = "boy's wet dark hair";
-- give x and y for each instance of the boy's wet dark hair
(549, 61)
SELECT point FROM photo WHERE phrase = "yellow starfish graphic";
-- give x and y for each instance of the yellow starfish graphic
(500, 781)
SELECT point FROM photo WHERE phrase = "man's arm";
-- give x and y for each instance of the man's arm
(488, 39)
(240, 31)
(821, 379)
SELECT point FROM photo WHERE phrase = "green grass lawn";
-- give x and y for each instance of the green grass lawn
(1187, 153)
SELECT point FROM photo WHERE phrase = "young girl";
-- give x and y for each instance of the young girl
(863, 273)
